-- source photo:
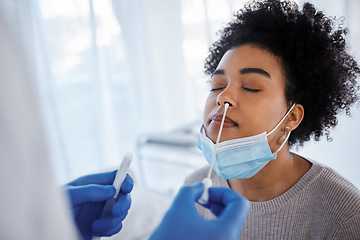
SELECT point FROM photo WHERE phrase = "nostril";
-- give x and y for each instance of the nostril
(230, 105)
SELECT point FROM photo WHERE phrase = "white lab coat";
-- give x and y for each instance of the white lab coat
(31, 204)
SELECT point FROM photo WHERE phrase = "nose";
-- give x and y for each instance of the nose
(226, 96)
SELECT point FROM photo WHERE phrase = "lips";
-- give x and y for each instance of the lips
(217, 118)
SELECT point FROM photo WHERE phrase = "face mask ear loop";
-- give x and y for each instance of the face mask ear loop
(281, 146)
(281, 121)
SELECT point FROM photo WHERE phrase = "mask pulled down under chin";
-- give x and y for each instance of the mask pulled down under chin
(237, 158)
(241, 157)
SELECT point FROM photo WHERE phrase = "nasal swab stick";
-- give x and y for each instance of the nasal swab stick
(119, 179)
(207, 181)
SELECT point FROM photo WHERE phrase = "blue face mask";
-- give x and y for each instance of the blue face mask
(242, 157)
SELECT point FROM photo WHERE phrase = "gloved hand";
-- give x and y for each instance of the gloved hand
(182, 220)
(88, 195)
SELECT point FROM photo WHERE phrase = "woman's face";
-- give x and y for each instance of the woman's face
(251, 80)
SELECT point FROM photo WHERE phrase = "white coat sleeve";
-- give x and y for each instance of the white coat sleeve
(31, 204)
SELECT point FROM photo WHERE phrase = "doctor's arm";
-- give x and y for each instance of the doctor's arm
(182, 220)
(88, 195)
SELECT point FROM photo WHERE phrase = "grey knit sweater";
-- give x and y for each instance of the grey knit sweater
(321, 205)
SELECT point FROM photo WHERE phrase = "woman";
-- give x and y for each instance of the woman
(285, 74)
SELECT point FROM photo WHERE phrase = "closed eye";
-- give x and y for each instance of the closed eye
(251, 90)
(216, 89)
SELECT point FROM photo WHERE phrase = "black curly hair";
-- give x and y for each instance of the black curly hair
(321, 75)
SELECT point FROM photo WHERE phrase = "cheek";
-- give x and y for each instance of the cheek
(209, 105)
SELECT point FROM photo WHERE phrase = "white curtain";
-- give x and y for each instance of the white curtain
(82, 75)
(105, 78)
(110, 70)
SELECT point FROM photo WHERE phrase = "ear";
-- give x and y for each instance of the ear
(295, 117)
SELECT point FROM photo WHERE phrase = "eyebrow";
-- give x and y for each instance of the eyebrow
(218, 72)
(255, 70)
(244, 71)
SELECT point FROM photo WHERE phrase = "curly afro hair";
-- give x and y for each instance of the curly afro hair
(321, 75)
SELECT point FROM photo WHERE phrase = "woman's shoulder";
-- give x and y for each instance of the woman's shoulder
(333, 187)
(329, 177)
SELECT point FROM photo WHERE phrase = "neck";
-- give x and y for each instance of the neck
(274, 179)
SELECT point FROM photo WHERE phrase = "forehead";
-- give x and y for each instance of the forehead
(251, 56)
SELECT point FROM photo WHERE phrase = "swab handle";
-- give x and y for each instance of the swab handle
(119, 179)
(204, 199)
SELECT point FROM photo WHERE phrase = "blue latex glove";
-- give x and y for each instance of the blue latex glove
(88, 195)
(182, 220)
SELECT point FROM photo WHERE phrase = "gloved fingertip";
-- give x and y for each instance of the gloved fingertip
(122, 205)
(199, 186)
(196, 186)
(128, 184)
(110, 190)
(110, 187)
(194, 190)
(246, 204)
(107, 232)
